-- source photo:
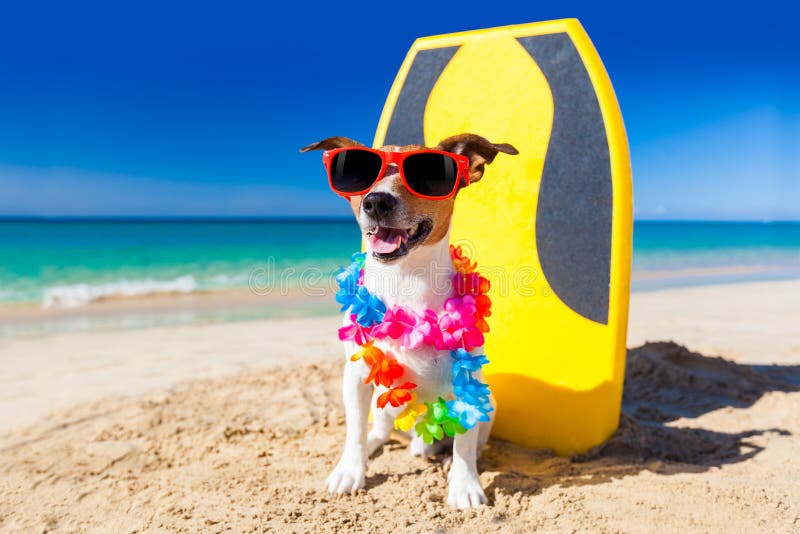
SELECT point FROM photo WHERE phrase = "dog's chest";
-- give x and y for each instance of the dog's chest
(422, 287)
(430, 369)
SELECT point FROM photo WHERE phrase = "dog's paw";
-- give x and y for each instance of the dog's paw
(465, 490)
(347, 477)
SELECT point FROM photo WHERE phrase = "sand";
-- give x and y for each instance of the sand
(708, 439)
(42, 374)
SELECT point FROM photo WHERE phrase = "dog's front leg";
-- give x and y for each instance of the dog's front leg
(465, 489)
(348, 475)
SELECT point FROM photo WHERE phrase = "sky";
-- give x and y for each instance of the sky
(192, 109)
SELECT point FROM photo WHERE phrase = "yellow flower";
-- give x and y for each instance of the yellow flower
(405, 421)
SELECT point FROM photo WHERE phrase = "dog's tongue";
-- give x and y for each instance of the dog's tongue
(387, 240)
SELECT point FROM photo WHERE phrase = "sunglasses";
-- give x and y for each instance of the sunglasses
(431, 174)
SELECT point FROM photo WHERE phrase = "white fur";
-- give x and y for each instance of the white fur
(420, 280)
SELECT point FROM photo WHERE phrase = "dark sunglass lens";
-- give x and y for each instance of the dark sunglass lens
(432, 175)
(354, 170)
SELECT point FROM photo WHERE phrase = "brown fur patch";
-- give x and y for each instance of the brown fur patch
(480, 151)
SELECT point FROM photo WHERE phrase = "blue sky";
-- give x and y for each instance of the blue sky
(193, 109)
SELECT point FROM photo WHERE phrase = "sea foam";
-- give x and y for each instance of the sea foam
(75, 295)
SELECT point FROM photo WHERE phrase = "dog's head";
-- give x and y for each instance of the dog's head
(394, 221)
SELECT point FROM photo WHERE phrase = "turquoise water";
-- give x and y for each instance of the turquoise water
(670, 254)
(71, 263)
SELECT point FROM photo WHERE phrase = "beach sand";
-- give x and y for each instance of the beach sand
(234, 427)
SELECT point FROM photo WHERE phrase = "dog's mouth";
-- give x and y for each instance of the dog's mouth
(389, 243)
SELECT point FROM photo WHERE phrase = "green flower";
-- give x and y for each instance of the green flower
(438, 422)
(438, 411)
(451, 427)
(429, 431)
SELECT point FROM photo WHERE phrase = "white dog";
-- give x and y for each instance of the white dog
(404, 215)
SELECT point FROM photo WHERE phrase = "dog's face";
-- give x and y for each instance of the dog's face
(393, 221)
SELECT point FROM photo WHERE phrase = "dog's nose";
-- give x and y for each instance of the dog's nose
(378, 205)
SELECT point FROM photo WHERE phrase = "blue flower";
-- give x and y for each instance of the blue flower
(470, 390)
(368, 308)
(467, 414)
(347, 278)
(484, 405)
(359, 258)
(346, 297)
(466, 362)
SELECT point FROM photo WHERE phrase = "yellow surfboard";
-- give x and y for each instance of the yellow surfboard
(551, 227)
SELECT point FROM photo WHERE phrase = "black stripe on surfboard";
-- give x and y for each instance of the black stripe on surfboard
(573, 216)
(408, 117)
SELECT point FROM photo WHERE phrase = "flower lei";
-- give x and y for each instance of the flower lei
(459, 328)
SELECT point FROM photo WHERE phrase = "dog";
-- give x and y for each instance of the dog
(408, 264)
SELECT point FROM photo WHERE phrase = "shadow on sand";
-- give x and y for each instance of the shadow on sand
(663, 382)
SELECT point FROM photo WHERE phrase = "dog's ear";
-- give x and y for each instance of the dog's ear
(330, 143)
(479, 150)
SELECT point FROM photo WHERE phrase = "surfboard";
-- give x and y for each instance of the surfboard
(551, 227)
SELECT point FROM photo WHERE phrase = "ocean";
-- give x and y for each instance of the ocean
(71, 263)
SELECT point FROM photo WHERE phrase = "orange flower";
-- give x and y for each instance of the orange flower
(483, 306)
(461, 263)
(384, 371)
(471, 284)
(483, 285)
(396, 396)
(482, 325)
(369, 352)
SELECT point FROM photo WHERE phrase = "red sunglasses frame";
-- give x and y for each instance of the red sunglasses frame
(397, 158)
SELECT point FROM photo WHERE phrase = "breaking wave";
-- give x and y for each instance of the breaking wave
(76, 295)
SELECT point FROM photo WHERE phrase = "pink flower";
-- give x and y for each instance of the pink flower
(460, 325)
(425, 332)
(397, 322)
(354, 332)
(461, 310)
(471, 337)
(411, 328)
